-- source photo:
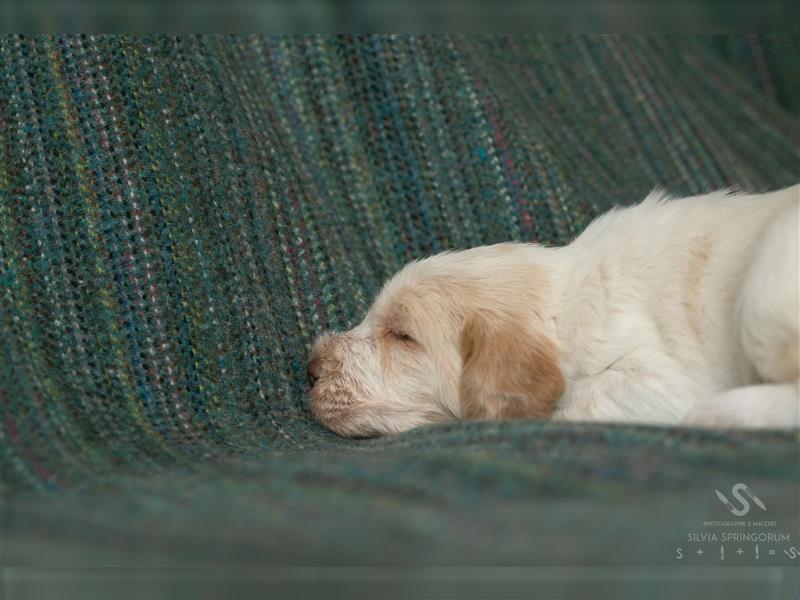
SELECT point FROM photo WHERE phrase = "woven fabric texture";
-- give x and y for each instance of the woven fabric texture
(181, 216)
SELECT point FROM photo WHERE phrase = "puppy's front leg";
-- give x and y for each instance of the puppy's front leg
(627, 394)
(768, 406)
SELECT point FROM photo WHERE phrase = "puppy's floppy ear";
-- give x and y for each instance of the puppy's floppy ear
(507, 372)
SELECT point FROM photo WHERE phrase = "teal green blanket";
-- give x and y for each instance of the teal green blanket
(179, 217)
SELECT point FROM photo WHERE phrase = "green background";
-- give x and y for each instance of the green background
(180, 216)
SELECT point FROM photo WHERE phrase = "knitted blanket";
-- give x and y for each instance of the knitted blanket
(179, 217)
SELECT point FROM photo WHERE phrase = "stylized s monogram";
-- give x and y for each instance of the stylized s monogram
(737, 490)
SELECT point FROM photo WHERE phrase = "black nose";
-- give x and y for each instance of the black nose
(315, 368)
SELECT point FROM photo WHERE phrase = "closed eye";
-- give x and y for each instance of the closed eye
(402, 336)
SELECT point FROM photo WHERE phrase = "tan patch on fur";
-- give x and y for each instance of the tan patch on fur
(388, 348)
(605, 282)
(508, 373)
(692, 280)
(398, 319)
(384, 351)
(788, 361)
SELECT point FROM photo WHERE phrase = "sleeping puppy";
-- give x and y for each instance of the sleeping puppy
(666, 312)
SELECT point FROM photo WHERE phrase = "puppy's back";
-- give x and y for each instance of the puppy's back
(673, 270)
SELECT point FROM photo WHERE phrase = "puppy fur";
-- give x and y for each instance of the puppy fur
(672, 311)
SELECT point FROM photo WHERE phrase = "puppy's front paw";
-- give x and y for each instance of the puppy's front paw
(751, 407)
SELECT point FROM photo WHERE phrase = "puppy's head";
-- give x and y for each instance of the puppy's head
(458, 335)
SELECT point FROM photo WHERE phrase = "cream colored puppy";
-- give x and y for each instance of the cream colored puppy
(666, 312)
